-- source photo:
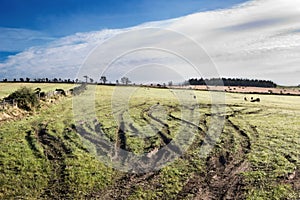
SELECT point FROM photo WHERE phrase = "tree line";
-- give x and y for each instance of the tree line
(232, 82)
(86, 79)
(41, 80)
(125, 81)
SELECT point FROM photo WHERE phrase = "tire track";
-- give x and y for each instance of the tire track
(247, 139)
(125, 186)
(56, 152)
(99, 140)
(222, 179)
(163, 134)
(188, 123)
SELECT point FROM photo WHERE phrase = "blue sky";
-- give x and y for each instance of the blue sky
(252, 39)
(28, 23)
(64, 17)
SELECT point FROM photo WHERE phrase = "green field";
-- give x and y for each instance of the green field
(52, 154)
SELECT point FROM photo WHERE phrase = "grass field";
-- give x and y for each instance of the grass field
(54, 155)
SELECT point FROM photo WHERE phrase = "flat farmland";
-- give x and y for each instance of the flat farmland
(56, 153)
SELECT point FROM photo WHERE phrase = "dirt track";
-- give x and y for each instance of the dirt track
(222, 180)
(56, 152)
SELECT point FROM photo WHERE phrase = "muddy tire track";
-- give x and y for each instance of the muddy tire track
(56, 152)
(96, 137)
(222, 178)
(126, 185)
(247, 147)
(170, 148)
(164, 132)
(188, 123)
(31, 140)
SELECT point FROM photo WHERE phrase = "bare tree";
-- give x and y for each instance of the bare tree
(86, 78)
(125, 80)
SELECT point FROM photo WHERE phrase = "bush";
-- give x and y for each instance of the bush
(26, 99)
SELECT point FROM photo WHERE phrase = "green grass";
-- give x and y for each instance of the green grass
(24, 174)
(270, 126)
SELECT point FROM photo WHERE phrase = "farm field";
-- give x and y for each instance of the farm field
(258, 90)
(55, 154)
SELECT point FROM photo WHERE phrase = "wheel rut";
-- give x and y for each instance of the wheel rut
(222, 177)
(56, 152)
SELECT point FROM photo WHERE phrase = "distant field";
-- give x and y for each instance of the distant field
(7, 88)
(240, 89)
(257, 155)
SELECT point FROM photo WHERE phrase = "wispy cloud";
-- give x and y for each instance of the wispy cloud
(258, 39)
(15, 39)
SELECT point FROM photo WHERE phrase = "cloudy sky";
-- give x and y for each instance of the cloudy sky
(151, 40)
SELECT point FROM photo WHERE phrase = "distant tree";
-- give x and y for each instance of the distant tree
(86, 78)
(186, 83)
(91, 80)
(27, 79)
(170, 83)
(76, 80)
(4, 80)
(232, 82)
(47, 80)
(103, 79)
(22, 79)
(15, 80)
(55, 80)
(125, 80)
(117, 82)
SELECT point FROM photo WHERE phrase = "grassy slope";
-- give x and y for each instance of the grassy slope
(42, 156)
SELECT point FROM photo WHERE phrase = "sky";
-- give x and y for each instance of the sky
(248, 39)
(65, 17)
(36, 22)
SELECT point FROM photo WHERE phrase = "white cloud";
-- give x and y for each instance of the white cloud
(258, 39)
(15, 39)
